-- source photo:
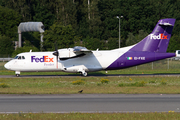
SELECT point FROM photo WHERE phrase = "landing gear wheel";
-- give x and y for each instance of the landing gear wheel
(84, 74)
(17, 75)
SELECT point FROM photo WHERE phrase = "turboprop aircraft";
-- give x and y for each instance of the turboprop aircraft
(81, 60)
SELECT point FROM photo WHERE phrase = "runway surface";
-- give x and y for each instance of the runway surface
(89, 103)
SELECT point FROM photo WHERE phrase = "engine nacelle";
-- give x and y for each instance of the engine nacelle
(66, 53)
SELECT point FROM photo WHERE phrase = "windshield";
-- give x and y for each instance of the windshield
(19, 57)
(16, 57)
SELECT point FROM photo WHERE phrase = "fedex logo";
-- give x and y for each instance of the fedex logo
(42, 59)
(160, 36)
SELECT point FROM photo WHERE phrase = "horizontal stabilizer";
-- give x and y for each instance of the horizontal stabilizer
(165, 24)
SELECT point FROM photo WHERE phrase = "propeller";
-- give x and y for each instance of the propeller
(56, 53)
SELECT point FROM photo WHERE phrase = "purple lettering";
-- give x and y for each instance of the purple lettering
(37, 59)
(32, 58)
(42, 59)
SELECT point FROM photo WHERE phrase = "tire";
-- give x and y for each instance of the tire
(84, 74)
(17, 75)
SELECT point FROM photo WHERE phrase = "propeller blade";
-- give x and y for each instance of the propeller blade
(56, 53)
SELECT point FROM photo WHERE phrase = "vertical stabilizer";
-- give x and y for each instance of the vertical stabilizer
(158, 40)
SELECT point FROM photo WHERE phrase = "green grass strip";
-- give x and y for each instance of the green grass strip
(89, 85)
(91, 116)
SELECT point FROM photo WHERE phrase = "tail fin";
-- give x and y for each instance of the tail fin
(158, 40)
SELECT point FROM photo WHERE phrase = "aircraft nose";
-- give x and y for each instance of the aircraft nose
(7, 65)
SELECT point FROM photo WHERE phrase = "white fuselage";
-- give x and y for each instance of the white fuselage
(46, 61)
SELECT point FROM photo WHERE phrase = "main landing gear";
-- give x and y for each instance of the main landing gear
(83, 72)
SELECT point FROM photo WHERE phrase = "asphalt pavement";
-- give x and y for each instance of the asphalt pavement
(89, 103)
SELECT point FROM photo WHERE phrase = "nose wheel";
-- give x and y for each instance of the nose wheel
(17, 73)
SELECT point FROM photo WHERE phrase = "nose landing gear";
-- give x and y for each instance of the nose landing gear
(17, 73)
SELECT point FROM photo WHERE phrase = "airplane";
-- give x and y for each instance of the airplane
(82, 60)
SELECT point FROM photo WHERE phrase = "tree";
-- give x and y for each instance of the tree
(65, 11)
(92, 43)
(174, 43)
(61, 35)
(131, 39)
(94, 18)
(95, 23)
(142, 34)
(6, 46)
(112, 43)
(31, 39)
(42, 11)
(108, 10)
(20, 6)
(135, 39)
(9, 20)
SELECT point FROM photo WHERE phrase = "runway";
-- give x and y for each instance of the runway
(89, 103)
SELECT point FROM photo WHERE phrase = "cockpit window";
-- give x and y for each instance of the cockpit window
(16, 57)
(19, 57)
(178, 52)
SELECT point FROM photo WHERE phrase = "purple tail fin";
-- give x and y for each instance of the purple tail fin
(158, 40)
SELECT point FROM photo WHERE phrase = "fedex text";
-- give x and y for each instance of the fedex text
(160, 36)
(41, 59)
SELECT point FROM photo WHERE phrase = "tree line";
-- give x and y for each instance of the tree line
(89, 23)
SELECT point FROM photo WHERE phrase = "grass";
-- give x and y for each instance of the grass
(91, 116)
(115, 85)
(78, 82)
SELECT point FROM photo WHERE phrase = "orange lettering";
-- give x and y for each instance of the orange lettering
(50, 59)
(45, 58)
(165, 37)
